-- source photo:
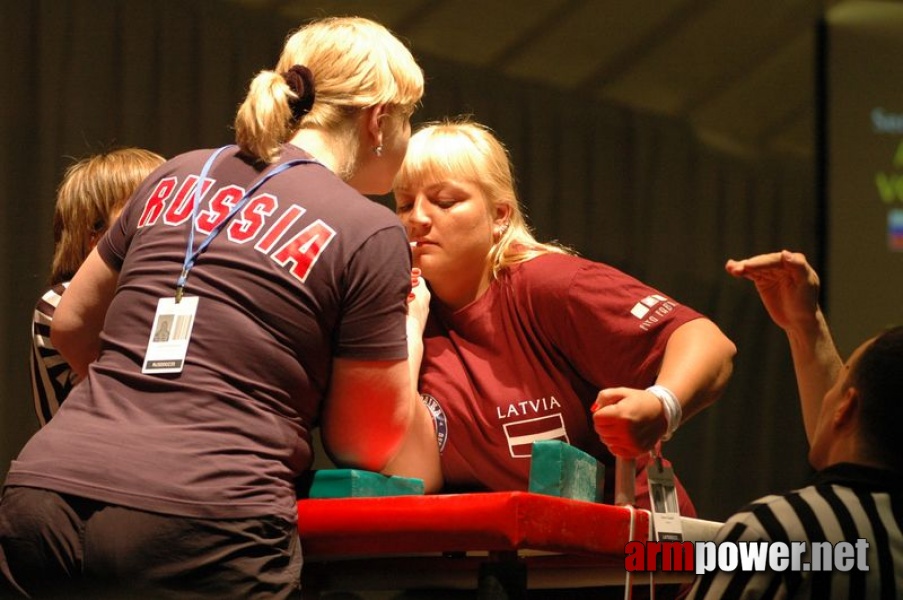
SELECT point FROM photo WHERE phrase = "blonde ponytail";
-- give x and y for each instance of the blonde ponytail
(264, 120)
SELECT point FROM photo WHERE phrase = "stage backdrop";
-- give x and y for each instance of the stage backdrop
(862, 153)
(638, 191)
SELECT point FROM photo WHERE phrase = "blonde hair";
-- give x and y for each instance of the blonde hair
(356, 63)
(468, 151)
(93, 190)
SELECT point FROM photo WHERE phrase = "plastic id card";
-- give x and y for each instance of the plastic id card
(170, 335)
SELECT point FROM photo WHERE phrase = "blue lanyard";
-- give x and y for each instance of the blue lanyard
(192, 257)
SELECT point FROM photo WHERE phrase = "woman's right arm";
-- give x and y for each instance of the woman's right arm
(421, 449)
(374, 420)
(373, 417)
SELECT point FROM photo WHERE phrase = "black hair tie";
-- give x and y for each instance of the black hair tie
(301, 81)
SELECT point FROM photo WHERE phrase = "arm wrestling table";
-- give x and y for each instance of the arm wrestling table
(499, 543)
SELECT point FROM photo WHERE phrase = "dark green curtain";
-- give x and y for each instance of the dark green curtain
(637, 191)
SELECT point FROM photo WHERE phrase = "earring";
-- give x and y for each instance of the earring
(378, 150)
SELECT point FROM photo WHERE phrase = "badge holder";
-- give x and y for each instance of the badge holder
(170, 335)
(663, 499)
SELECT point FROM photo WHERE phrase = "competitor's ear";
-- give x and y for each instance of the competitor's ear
(374, 116)
(502, 214)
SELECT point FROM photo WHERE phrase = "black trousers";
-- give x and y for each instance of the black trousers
(59, 546)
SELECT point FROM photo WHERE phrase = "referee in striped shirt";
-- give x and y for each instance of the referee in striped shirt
(852, 413)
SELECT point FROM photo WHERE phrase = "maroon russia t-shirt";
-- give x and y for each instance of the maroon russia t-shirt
(525, 361)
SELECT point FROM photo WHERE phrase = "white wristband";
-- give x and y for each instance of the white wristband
(672, 408)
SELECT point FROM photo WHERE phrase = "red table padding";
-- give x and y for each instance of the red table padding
(492, 521)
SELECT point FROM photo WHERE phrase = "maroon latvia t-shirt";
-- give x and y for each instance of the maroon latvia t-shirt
(525, 361)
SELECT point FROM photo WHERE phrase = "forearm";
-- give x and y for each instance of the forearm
(415, 350)
(418, 455)
(697, 365)
(77, 341)
(816, 363)
(79, 318)
(373, 419)
(79, 352)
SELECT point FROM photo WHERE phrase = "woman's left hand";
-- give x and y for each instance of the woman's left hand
(629, 421)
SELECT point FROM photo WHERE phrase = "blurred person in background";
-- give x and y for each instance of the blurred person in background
(88, 201)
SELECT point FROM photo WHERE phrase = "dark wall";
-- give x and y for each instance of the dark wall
(637, 191)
